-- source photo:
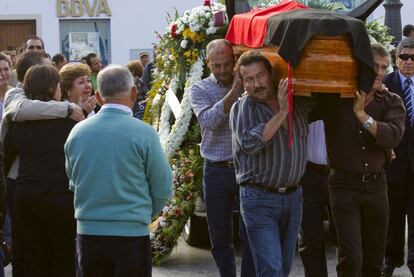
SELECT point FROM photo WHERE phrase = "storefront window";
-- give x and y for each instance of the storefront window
(81, 37)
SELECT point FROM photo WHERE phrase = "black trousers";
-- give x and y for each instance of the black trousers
(111, 256)
(315, 208)
(360, 213)
(401, 201)
(49, 230)
(20, 261)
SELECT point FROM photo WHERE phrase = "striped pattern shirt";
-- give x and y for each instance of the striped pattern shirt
(207, 102)
(273, 163)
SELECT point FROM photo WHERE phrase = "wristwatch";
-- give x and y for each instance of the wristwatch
(70, 111)
(367, 124)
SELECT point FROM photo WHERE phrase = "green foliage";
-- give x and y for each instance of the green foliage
(379, 32)
(315, 4)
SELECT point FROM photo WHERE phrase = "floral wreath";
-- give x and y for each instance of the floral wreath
(178, 65)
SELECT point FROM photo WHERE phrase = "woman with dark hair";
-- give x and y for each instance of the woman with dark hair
(44, 205)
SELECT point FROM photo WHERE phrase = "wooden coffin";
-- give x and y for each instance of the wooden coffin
(327, 66)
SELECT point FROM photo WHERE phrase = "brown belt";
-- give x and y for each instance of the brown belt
(323, 169)
(264, 187)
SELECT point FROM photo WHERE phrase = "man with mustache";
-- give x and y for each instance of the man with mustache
(268, 171)
(400, 173)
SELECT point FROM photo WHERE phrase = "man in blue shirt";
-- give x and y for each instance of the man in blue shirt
(211, 100)
(120, 179)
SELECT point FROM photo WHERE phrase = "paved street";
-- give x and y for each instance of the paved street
(187, 261)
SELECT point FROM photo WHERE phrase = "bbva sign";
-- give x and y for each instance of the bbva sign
(77, 8)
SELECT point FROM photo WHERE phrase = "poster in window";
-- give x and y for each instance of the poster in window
(83, 43)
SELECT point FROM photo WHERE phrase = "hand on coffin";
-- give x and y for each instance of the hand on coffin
(359, 103)
(237, 86)
(282, 95)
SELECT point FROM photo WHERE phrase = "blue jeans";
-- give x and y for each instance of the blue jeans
(221, 197)
(272, 222)
(1, 263)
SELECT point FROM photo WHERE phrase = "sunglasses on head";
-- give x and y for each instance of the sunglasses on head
(31, 47)
(405, 57)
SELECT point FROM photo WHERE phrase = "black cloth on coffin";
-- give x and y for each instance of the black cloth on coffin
(292, 30)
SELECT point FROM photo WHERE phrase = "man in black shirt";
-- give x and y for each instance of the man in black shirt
(358, 134)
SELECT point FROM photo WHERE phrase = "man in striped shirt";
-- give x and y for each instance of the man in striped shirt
(268, 170)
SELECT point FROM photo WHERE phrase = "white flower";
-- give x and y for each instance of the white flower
(180, 29)
(211, 30)
(171, 57)
(194, 27)
(166, 209)
(184, 43)
(211, 23)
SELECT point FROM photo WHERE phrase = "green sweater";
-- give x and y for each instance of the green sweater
(118, 173)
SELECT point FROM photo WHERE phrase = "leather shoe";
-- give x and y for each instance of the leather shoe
(388, 271)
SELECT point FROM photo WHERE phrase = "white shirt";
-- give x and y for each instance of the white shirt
(316, 143)
(117, 106)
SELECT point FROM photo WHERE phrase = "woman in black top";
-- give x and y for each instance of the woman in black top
(44, 204)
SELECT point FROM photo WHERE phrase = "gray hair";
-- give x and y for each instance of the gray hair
(218, 43)
(114, 81)
(405, 43)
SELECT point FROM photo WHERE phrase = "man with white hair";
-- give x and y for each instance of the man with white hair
(121, 180)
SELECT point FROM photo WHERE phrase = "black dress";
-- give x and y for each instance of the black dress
(44, 204)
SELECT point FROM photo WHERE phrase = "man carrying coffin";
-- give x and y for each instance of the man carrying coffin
(359, 134)
(268, 171)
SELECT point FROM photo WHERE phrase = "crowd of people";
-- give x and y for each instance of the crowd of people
(81, 177)
(48, 99)
(342, 154)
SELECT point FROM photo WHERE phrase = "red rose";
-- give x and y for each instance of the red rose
(174, 30)
(207, 3)
(178, 212)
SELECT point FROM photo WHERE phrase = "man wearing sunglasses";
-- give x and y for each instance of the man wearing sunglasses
(34, 43)
(400, 173)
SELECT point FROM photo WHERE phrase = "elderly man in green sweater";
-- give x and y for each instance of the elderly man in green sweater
(121, 180)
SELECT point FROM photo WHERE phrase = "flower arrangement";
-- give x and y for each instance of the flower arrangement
(178, 65)
(180, 47)
(187, 167)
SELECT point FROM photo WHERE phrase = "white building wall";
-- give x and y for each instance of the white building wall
(132, 23)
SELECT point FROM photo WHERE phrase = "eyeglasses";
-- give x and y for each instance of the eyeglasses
(405, 57)
(31, 47)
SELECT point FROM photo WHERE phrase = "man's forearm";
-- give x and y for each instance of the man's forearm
(229, 100)
(27, 109)
(362, 116)
(273, 125)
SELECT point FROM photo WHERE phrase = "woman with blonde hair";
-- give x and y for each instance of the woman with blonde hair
(76, 86)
